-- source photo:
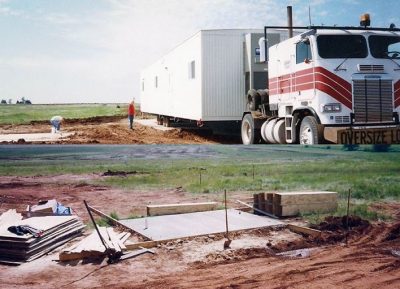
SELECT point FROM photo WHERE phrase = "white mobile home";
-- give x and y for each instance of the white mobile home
(206, 77)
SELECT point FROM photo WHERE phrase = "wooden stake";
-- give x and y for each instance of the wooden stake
(253, 172)
(347, 218)
(200, 176)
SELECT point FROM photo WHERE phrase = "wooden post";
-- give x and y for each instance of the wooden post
(253, 172)
(347, 218)
(200, 176)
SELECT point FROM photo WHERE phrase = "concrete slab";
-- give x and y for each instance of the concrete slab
(152, 123)
(196, 224)
(35, 137)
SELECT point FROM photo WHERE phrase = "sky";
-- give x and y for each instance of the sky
(92, 51)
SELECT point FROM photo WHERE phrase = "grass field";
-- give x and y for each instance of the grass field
(371, 176)
(23, 114)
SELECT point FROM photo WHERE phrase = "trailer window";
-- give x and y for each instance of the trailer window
(303, 52)
(384, 46)
(342, 46)
(192, 70)
(156, 81)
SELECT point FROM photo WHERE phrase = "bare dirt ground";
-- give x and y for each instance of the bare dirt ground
(114, 130)
(370, 260)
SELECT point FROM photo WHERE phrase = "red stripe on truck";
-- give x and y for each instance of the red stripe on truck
(318, 78)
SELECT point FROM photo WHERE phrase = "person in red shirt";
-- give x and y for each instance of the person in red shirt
(131, 114)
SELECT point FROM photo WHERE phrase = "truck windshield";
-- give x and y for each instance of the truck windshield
(385, 46)
(342, 46)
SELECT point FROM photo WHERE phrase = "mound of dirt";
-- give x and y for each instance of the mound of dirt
(118, 173)
(339, 224)
(394, 233)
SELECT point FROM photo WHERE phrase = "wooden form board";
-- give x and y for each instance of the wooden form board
(172, 209)
(114, 221)
(91, 246)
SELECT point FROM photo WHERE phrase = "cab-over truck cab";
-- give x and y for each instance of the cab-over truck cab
(329, 84)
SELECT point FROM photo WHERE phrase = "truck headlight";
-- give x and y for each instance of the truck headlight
(332, 107)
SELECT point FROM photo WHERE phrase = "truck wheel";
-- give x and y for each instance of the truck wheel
(309, 133)
(250, 135)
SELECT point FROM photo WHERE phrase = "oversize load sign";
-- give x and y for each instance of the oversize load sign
(369, 136)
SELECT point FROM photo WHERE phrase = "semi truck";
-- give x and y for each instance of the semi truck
(320, 84)
(335, 84)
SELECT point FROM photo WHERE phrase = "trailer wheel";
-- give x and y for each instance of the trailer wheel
(166, 121)
(309, 133)
(250, 135)
(159, 120)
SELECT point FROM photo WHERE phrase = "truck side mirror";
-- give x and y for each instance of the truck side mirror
(262, 43)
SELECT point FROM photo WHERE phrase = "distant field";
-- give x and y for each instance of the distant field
(22, 114)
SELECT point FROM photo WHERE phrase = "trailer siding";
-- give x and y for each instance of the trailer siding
(218, 91)
(176, 95)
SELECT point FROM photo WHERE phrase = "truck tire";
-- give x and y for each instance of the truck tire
(264, 96)
(253, 100)
(309, 132)
(269, 131)
(249, 134)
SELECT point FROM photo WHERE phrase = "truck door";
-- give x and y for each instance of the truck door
(286, 72)
(304, 78)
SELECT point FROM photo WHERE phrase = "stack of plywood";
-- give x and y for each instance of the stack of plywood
(56, 230)
(92, 246)
(286, 204)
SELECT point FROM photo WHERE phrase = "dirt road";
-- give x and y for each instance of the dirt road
(114, 130)
(370, 260)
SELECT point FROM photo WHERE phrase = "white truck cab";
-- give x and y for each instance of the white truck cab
(336, 84)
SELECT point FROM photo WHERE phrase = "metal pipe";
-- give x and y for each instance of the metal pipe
(226, 216)
(290, 21)
(95, 225)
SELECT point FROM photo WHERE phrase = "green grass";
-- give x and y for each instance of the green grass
(358, 207)
(23, 114)
(370, 175)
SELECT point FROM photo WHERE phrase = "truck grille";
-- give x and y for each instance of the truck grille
(371, 68)
(342, 119)
(373, 100)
